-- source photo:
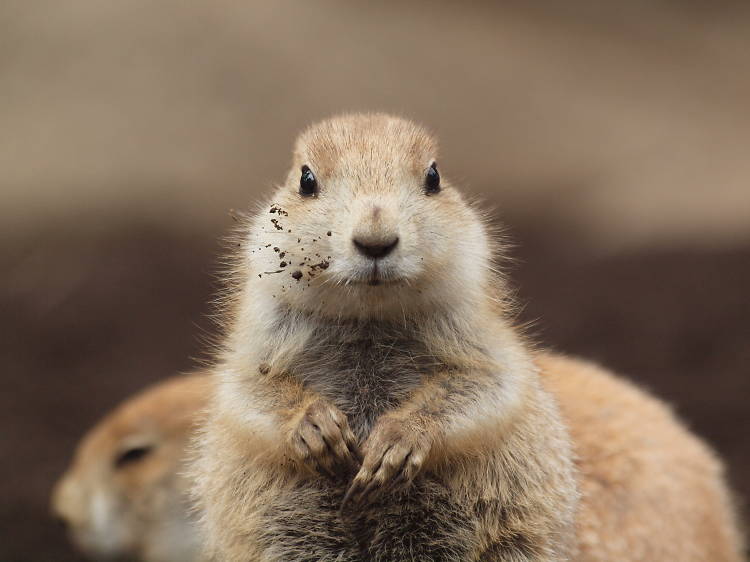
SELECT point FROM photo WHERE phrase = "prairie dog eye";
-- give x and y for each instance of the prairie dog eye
(132, 455)
(432, 180)
(308, 185)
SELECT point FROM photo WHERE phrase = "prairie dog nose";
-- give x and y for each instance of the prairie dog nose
(375, 248)
(67, 504)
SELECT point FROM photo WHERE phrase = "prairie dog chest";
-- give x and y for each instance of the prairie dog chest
(364, 369)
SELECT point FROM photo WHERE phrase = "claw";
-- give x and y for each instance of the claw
(392, 459)
(351, 445)
(309, 460)
(353, 489)
(370, 493)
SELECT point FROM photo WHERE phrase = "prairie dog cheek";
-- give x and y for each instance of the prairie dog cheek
(105, 533)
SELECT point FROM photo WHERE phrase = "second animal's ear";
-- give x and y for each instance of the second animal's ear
(132, 455)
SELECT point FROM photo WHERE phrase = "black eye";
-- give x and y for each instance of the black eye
(432, 180)
(132, 455)
(308, 185)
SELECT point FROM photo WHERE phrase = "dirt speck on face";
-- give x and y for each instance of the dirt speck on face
(275, 248)
(283, 264)
(264, 368)
(328, 233)
(282, 254)
(297, 274)
(276, 225)
(277, 209)
(322, 265)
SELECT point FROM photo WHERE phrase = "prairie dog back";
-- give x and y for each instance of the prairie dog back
(650, 489)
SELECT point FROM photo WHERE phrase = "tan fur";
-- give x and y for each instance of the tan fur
(651, 491)
(137, 509)
(413, 400)
(388, 413)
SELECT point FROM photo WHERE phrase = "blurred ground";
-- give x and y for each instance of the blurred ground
(611, 137)
(629, 120)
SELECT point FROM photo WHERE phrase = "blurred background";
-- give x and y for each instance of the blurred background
(611, 139)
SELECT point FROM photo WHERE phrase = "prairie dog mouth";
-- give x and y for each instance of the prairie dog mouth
(376, 278)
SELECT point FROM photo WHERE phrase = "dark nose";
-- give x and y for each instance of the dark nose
(376, 250)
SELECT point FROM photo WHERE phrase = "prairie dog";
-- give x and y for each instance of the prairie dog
(124, 494)
(373, 400)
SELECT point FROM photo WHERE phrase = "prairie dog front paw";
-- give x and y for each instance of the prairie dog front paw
(394, 454)
(323, 441)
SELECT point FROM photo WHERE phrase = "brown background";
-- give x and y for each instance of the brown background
(611, 140)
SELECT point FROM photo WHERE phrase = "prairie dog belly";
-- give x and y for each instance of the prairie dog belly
(425, 520)
(364, 370)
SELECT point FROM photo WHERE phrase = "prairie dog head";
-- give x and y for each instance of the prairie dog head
(366, 224)
(123, 495)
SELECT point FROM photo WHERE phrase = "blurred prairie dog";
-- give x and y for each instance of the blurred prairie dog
(373, 400)
(124, 494)
(651, 491)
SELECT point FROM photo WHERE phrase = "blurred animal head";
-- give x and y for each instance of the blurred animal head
(124, 495)
(365, 224)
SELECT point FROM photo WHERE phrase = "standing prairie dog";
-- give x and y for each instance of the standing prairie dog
(124, 495)
(373, 400)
